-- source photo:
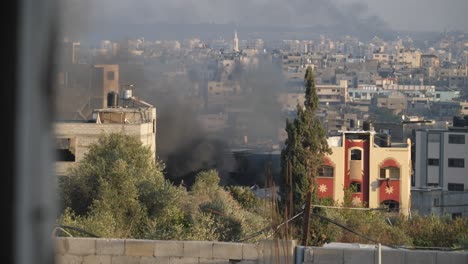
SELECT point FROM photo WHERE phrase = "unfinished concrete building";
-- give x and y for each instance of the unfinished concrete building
(128, 115)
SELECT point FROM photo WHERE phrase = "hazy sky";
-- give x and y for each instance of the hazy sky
(420, 14)
(351, 15)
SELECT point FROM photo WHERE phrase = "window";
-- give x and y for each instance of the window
(356, 186)
(456, 215)
(436, 202)
(456, 187)
(433, 162)
(325, 171)
(393, 206)
(110, 75)
(65, 149)
(456, 139)
(390, 172)
(355, 154)
(434, 138)
(456, 163)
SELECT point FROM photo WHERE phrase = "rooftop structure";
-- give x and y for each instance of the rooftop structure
(129, 116)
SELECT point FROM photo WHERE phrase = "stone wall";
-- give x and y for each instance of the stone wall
(132, 251)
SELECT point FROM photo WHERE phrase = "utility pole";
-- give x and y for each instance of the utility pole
(306, 215)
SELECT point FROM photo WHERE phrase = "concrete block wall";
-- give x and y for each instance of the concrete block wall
(112, 251)
(317, 255)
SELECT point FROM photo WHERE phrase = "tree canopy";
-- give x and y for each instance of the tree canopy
(304, 150)
(119, 191)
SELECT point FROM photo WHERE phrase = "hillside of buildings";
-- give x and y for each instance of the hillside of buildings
(212, 113)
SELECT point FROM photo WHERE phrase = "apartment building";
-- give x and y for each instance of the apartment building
(379, 170)
(333, 94)
(440, 184)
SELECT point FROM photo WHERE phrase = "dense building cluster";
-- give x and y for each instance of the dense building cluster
(242, 90)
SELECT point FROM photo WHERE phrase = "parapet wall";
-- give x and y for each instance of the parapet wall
(132, 251)
(317, 255)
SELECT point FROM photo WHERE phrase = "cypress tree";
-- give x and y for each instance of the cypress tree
(302, 156)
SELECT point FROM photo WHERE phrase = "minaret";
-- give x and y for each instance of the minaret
(236, 42)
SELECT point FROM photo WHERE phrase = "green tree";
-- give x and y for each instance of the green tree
(104, 193)
(214, 214)
(119, 191)
(303, 155)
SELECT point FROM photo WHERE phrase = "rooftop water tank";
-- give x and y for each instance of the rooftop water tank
(112, 99)
(368, 126)
(127, 94)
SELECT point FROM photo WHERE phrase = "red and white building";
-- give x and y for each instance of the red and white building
(379, 171)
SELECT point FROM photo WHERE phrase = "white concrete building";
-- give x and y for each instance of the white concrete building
(440, 183)
(441, 159)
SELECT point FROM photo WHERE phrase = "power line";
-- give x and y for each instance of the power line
(270, 227)
(350, 208)
(77, 229)
(346, 228)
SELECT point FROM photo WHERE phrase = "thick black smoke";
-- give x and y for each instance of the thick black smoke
(183, 143)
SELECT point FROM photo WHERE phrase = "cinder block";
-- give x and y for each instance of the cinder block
(125, 260)
(420, 257)
(110, 247)
(212, 261)
(452, 257)
(154, 260)
(93, 259)
(201, 249)
(169, 248)
(182, 260)
(328, 255)
(277, 251)
(249, 252)
(142, 248)
(60, 245)
(81, 246)
(247, 262)
(309, 255)
(391, 256)
(266, 252)
(223, 250)
(358, 255)
(68, 259)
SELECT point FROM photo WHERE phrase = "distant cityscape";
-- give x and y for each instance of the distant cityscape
(407, 101)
